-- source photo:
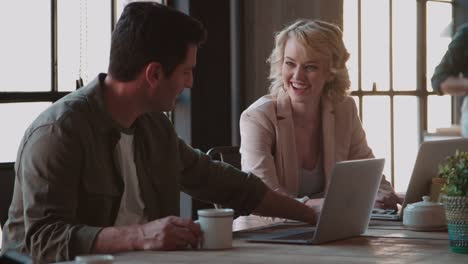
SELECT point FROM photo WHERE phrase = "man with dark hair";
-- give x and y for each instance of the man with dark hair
(101, 170)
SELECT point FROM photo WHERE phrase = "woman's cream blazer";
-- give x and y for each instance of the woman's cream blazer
(268, 144)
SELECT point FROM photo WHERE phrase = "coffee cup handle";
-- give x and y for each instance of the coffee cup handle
(200, 243)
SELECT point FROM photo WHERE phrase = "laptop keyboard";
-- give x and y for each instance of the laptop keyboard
(384, 214)
(383, 211)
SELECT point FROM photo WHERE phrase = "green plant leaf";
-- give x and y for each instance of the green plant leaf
(455, 173)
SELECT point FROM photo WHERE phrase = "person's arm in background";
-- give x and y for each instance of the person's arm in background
(359, 149)
(455, 85)
(448, 77)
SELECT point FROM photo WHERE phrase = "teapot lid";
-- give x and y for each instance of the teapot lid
(424, 204)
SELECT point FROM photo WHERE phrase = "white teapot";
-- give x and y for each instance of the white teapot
(424, 216)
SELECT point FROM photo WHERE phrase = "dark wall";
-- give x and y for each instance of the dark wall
(7, 180)
(202, 114)
(211, 108)
(261, 19)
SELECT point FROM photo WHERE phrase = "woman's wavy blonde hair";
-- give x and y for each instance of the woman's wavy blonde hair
(318, 38)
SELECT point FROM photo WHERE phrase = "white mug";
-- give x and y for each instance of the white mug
(216, 225)
(94, 259)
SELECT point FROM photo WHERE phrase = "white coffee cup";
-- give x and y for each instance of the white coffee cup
(216, 225)
(94, 259)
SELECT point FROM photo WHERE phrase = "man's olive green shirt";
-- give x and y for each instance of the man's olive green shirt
(67, 187)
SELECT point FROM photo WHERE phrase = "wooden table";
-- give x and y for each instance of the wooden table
(385, 242)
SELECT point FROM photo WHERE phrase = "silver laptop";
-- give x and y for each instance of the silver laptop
(430, 155)
(346, 208)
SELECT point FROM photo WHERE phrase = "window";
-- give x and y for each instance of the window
(26, 69)
(390, 69)
(83, 41)
(46, 48)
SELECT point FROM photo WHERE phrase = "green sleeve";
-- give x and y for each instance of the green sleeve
(48, 168)
(218, 182)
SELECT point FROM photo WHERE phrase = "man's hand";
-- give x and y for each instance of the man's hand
(279, 205)
(315, 204)
(387, 199)
(169, 233)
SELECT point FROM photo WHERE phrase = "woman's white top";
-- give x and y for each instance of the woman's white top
(311, 181)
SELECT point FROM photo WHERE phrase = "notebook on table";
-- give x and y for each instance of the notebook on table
(346, 208)
(430, 155)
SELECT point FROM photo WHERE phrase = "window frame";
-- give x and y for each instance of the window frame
(52, 95)
(421, 91)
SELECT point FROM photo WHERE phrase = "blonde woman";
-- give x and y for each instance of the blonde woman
(292, 137)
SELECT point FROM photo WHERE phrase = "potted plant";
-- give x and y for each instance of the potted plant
(455, 199)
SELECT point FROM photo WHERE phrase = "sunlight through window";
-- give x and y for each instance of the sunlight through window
(389, 89)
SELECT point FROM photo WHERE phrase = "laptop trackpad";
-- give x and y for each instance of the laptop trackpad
(294, 236)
